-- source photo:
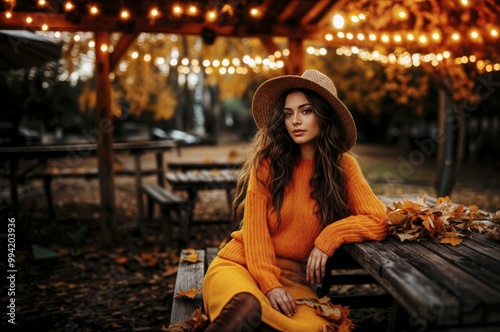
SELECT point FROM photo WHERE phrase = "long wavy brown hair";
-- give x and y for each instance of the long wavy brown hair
(274, 143)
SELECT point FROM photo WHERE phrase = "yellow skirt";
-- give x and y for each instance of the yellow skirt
(224, 279)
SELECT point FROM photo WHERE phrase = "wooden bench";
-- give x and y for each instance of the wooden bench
(190, 275)
(168, 202)
(48, 174)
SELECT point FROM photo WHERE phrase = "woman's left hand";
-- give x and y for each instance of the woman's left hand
(316, 265)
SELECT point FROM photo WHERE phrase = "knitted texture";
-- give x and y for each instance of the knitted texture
(262, 238)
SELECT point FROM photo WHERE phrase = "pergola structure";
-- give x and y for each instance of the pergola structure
(295, 20)
(417, 25)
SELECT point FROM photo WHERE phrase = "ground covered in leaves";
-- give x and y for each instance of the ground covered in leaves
(67, 282)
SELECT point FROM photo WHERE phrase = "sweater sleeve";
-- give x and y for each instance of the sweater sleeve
(368, 220)
(259, 249)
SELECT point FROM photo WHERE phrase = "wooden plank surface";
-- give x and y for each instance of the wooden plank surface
(189, 275)
(415, 291)
(473, 296)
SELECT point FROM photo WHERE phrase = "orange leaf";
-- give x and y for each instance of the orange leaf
(396, 217)
(147, 260)
(451, 238)
(190, 294)
(121, 260)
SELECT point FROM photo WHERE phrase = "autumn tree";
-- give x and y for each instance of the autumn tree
(454, 42)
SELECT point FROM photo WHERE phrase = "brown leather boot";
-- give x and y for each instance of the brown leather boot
(241, 314)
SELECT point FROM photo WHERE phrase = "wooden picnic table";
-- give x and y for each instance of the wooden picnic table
(194, 181)
(437, 287)
(67, 158)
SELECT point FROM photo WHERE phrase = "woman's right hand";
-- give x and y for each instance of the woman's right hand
(282, 301)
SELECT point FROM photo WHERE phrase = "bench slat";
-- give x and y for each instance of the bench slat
(161, 194)
(189, 275)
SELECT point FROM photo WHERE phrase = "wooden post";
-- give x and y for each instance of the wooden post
(295, 65)
(104, 136)
(446, 158)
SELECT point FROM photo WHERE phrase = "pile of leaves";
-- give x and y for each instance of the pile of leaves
(337, 315)
(196, 323)
(414, 220)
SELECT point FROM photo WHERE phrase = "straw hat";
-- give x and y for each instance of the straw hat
(264, 99)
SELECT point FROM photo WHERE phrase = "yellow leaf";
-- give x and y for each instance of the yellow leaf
(190, 294)
(443, 199)
(192, 258)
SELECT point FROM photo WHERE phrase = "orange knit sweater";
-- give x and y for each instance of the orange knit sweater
(262, 239)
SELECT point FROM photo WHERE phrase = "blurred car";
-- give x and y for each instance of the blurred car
(23, 135)
(179, 136)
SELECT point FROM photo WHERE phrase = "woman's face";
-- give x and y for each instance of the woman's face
(300, 120)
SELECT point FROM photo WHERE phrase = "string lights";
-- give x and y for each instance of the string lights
(344, 31)
(348, 31)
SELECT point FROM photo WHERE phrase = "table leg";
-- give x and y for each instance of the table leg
(138, 189)
(160, 168)
(14, 200)
(192, 197)
(47, 185)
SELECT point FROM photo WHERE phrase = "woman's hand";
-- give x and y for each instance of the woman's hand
(316, 265)
(282, 301)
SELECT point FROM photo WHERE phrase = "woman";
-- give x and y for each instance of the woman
(299, 197)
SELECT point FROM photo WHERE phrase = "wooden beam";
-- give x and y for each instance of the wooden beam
(289, 10)
(120, 48)
(104, 137)
(316, 13)
(58, 22)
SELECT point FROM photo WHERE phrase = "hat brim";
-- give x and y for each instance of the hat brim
(264, 102)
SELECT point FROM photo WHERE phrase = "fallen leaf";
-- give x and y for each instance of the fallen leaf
(451, 238)
(396, 217)
(147, 260)
(192, 258)
(121, 260)
(190, 294)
